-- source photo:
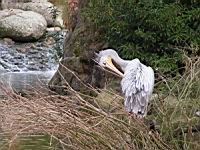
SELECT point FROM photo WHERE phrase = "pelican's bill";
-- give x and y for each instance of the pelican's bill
(110, 66)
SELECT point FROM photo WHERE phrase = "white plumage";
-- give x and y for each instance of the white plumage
(137, 80)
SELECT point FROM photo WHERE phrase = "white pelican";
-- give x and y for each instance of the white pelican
(137, 80)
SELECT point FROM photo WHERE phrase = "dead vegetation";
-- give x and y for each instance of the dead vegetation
(77, 121)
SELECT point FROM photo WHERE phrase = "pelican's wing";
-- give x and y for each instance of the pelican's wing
(137, 85)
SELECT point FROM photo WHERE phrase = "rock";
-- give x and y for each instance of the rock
(22, 50)
(8, 41)
(21, 25)
(77, 68)
(54, 29)
(197, 113)
(18, 58)
(40, 6)
(49, 41)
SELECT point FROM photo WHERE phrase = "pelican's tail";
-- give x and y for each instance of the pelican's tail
(137, 105)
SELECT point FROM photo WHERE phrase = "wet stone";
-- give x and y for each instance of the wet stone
(22, 50)
(37, 56)
(18, 63)
(14, 70)
(33, 59)
(32, 52)
(31, 62)
(21, 66)
(18, 57)
(40, 48)
(33, 68)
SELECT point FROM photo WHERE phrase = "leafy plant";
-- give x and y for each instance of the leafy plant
(150, 30)
(54, 11)
(59, 40)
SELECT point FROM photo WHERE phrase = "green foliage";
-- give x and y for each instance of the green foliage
(150, 30)
(54, 11)
(58, 46)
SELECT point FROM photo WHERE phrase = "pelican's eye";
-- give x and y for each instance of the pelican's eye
(104, 63)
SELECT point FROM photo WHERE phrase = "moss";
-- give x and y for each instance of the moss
(3, 32)
(77, 51)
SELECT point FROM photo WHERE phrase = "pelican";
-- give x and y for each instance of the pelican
(137, 80)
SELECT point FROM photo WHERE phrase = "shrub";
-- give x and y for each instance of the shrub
(150, 30)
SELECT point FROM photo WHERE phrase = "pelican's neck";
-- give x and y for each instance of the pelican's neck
(122, 63)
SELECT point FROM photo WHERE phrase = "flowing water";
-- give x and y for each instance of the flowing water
(23, 82)
(22, 73)
(24, 67)
(19, 71)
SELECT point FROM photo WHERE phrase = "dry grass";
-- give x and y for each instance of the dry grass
(101, 122)
(76, 123)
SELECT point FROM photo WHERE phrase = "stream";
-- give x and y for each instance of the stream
(24, 65)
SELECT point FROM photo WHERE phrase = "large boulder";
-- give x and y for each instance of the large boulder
(42, 7)
(21, 25)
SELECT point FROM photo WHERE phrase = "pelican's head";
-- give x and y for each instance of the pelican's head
(105, 58)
